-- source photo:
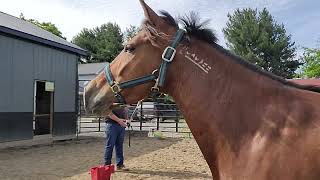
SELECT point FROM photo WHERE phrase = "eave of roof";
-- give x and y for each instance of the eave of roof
(91, 68)
(42, 40)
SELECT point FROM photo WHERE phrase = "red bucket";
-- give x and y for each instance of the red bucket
(102, 172)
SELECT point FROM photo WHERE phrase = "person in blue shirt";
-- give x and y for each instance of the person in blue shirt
(116, 123)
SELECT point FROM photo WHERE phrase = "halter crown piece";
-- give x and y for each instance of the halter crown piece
(167, 57)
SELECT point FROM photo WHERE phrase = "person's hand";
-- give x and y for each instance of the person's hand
(123, 122)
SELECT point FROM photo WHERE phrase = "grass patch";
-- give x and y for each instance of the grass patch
(159, 135)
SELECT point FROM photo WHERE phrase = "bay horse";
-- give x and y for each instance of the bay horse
(249, 124)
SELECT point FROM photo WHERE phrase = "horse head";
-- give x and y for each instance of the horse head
(141, 56)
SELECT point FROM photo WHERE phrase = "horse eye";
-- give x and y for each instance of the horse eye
(129, 49)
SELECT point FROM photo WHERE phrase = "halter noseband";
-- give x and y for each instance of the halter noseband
(167, 57)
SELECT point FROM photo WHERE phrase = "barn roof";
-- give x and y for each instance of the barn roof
(313, 81)
(91, 68)
(17, 27)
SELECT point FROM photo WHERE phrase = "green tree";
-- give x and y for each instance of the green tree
(258, 38)
(104, 43)
(130, 32)
(48, 26)
(311, 59)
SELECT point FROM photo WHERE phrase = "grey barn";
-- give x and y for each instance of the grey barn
(38, 83)
(88, 72)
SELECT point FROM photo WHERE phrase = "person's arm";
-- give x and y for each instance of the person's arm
(120, 121)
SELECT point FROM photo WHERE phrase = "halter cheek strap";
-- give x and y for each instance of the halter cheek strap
(167, 57)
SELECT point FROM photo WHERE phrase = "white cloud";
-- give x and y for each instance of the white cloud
(72, 15)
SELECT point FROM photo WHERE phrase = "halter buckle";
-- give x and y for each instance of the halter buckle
(155, 89)
(155, 72)
(169, 48)
(115, 88)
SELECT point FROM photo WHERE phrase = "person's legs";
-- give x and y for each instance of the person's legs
(119, 146)
(111, 136)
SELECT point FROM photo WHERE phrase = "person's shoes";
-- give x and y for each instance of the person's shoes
(122, 168)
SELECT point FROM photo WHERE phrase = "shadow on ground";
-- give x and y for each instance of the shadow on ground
(68, 158)
(169, 174)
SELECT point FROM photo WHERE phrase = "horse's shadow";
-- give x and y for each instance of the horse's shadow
(169, 174)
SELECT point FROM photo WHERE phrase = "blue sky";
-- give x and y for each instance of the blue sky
(301, 18)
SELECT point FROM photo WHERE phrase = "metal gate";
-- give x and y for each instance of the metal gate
(162, 115)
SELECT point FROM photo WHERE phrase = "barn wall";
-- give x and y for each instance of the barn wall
(21, 63)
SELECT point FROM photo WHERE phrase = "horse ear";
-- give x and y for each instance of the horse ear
(150, 15)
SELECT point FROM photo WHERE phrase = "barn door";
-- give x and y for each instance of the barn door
(43, 108)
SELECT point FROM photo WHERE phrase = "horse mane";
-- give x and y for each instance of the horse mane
(198, 29)
(191, 23)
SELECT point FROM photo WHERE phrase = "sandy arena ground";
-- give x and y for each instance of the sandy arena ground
(147, 158)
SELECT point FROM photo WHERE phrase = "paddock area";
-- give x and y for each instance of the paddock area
(147, 158)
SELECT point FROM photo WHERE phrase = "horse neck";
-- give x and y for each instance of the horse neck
(216, 95)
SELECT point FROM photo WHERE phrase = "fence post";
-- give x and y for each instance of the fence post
(99, 124)
(78, 124)
(79, 114)
(177, 124)
(177, 119)
(158, 122)
(141, 116)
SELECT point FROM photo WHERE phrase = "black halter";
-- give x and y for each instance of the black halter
(167, 57)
